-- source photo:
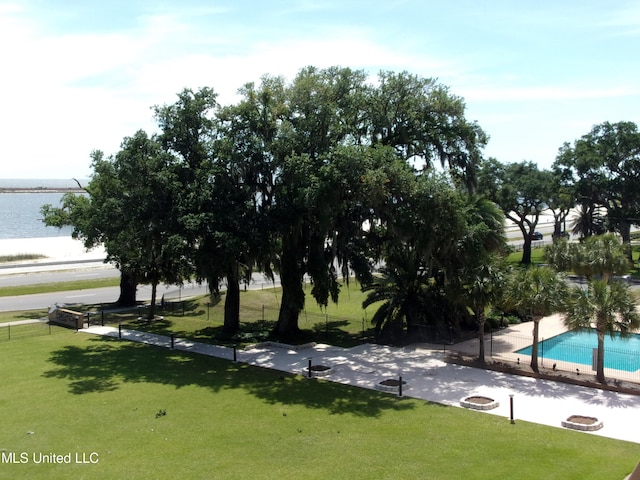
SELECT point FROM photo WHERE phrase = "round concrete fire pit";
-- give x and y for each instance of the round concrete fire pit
(581, 422)
(390, 385)
(478, 402)
(320, 370)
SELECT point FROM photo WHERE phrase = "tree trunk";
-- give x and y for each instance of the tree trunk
(481, 322)
(232, 301)
(557, 227)
(291, 276)
(534, 346)
(526, 251)
(625, 233)
(152, 306)
(292, 301)
(600, 359)
(287, 318)
(128, 288)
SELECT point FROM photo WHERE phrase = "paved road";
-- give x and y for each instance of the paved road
(94, 295)
(79, 271)
(10, 277)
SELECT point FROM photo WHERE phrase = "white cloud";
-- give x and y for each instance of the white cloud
(509, 94)
(66, 94)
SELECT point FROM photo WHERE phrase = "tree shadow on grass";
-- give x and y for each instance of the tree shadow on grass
(105, 363)
(249, 332)
(27, 315)
(111, 313)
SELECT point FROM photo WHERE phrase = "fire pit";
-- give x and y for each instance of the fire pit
(320, 370)
(478, 402)
(390, 385)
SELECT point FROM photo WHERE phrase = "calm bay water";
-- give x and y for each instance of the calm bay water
(20, 212)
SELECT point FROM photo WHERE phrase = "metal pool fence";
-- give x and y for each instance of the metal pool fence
(577, 359)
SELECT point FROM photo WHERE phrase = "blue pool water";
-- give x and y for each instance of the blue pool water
(577, 347)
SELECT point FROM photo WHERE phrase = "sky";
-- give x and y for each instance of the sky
(78, 75)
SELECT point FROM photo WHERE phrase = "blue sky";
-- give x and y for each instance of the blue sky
(80, 75)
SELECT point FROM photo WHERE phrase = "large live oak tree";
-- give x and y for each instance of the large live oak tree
(302, 177)
(521, 190)
(603, 169)
(129, 207)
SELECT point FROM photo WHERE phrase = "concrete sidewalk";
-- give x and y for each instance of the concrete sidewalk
(428, 377)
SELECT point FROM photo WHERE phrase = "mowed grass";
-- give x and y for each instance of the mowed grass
(537, 256)
(76, 393)
(8, 317)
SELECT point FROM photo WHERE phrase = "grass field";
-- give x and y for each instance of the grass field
(344, 324)
(538, 258)
(146, 412)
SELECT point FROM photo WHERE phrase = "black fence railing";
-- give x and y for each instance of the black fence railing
(621, 360)
(18, 330)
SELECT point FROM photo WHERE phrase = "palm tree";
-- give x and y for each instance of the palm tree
(606, 304)
(480, 271)
(401, 287)
(608, 307)
(588, 222)
(482, 286)
(537, 292)
(597, 257)
(603, 257)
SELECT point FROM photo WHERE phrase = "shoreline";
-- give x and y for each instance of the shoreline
(40, 190)
(52, 248)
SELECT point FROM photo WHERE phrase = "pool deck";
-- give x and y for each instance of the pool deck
(430, 378)
(503, 344)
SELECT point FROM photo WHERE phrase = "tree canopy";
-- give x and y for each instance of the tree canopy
(521, 190)
(603, 169)
(323, 177)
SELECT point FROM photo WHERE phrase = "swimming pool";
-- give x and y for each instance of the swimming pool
(577, 347)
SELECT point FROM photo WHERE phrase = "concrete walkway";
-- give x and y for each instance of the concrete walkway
(428, 377)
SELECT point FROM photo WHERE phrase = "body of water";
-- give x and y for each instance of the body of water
(20, 212)
(577, 346)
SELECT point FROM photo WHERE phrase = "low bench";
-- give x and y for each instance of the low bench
(66, 318)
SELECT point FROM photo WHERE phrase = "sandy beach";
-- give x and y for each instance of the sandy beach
(53, 248)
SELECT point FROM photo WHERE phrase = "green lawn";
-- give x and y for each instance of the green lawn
(22, 315)
(75, 393)
(537, 256)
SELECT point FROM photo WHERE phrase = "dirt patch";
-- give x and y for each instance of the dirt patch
(479, 400)
(319, 368)
(392, 382)
(582, 420)
(583, 423)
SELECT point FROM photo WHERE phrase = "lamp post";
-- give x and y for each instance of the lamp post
(511, 408)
